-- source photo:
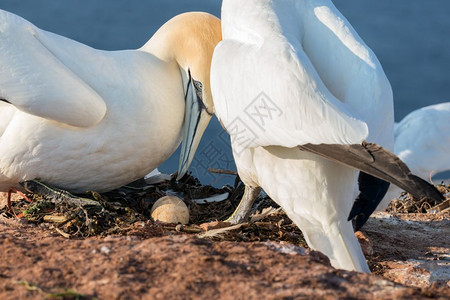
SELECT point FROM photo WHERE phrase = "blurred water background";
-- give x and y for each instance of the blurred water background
(410, 37)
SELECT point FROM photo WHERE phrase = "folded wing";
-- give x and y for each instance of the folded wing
(34, 78)
(280, 99)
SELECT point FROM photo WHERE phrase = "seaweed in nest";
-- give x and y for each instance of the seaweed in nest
(127, 211)
(274, 227)
(118, 210)
(406, 204)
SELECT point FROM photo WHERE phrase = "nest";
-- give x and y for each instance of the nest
(406, 204)
(126, 211)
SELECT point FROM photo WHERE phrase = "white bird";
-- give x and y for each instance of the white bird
(299, 92)
(83, 119)
(422, 141)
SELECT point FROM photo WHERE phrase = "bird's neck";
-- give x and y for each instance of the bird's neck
(188, 39)
(161, 45)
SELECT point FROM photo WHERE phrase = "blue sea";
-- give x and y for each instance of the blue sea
(410, 37)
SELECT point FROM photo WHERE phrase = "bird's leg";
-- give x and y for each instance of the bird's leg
(8, 200)
(242, 212)
(56, 195)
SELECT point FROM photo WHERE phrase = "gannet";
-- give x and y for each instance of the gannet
(299, 92)
(80, 119)
(422, 141)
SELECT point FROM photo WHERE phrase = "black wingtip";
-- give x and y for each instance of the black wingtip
(378, 162)
(426, 190)
(4, 100)
(373, 190)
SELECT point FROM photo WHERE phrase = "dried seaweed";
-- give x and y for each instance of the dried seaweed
(127, 211)
(406, 203)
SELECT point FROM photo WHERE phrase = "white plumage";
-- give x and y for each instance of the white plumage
(422, 141)
(292, 72)
(84, 119)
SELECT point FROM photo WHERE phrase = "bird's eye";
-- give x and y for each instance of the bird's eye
(198, 85)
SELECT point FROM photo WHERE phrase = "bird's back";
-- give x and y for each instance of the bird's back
(79, 117)
(422, 140)
(326, 45)
(347, 66)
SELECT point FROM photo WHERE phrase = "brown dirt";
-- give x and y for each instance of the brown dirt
(266, 259)
(36, 263)
(411, 249)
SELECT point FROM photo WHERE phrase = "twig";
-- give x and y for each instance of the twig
(56, 219)
(225, 172)
(265, 213)
(182, 228)
(441, 208)
(29, 286)
(64, 234)
(216, 232)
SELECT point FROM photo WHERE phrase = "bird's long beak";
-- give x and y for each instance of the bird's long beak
(196, 120)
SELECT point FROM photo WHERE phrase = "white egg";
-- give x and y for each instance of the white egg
(170, 209)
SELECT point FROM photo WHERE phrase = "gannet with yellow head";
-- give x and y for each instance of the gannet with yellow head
(80, 119)
(299, 92)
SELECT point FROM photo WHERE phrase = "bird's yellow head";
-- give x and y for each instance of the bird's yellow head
(189, 40)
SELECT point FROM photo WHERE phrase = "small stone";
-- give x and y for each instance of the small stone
(105, 250)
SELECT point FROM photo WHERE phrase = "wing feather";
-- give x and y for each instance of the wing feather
(35, 79)
(279, 99)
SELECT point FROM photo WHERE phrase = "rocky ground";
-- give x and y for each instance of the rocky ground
(136, 258)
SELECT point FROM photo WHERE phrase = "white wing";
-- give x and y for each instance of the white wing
(6, 114)
(279, 99)
(307, 48)
(347, 66)
(35, 79)
(274, 96)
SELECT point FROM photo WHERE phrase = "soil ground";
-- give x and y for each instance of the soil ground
(409, 255)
